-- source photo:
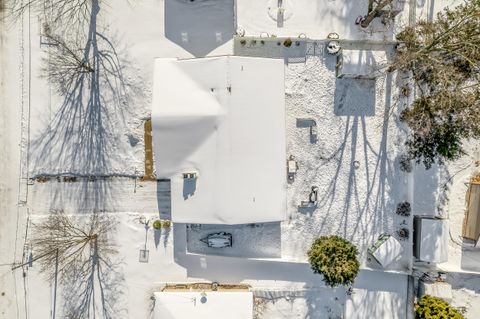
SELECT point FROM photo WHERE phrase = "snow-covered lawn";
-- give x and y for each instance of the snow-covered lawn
(316, 19)
(109, 195)
(357, 123)
(386, 300)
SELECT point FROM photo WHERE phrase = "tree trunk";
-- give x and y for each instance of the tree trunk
(375, 12)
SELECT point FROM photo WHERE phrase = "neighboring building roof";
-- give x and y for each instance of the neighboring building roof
(209, 305)
(222, 118)
(431, 239)
(363, 304)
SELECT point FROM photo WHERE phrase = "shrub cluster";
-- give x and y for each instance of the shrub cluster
(334, 258)
(430, 307)
(158, 224)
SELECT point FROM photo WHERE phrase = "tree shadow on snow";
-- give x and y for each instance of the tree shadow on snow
(83, 136)
(373, 187)
(95, 288)
(199, 26)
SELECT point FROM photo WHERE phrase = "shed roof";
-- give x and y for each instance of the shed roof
(387, 250)
(209, 305)
(431, 238)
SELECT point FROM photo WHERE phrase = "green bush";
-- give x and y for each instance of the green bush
(157, 224)
(334, 258)
(287, 42)
(166, 224)
(430, 307)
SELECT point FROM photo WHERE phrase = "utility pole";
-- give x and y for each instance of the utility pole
(55, 287)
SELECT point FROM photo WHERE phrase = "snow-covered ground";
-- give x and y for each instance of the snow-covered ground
(428, 9)
(442, 191)
(357, 121)
(315, 19)
(363, 301)
(13, 213)
(289, 289)
(466, 293)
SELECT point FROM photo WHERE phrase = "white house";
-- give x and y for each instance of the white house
(218, 128)
(209, 305)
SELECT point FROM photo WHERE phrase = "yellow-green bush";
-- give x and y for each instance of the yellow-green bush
(157, 224)
(430, 307)
(334, 258)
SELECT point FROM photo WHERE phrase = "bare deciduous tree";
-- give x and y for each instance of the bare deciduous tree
(84, 67)
(66, 61)
(69, 242)
(80, 253)
(68, 13)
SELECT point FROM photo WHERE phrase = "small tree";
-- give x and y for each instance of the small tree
(334, 258)
(79, 252)
(430, 307)
(69, 242)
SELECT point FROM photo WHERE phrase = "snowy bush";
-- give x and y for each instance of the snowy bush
(334, 258)
(166, 224)
(405, 163)
(404, 209)
(430, 307)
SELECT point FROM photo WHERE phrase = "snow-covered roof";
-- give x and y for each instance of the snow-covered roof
(388, 251)
(360, 63)
(431, 239)
(222, 118)
(209, 305)
(364, 303)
